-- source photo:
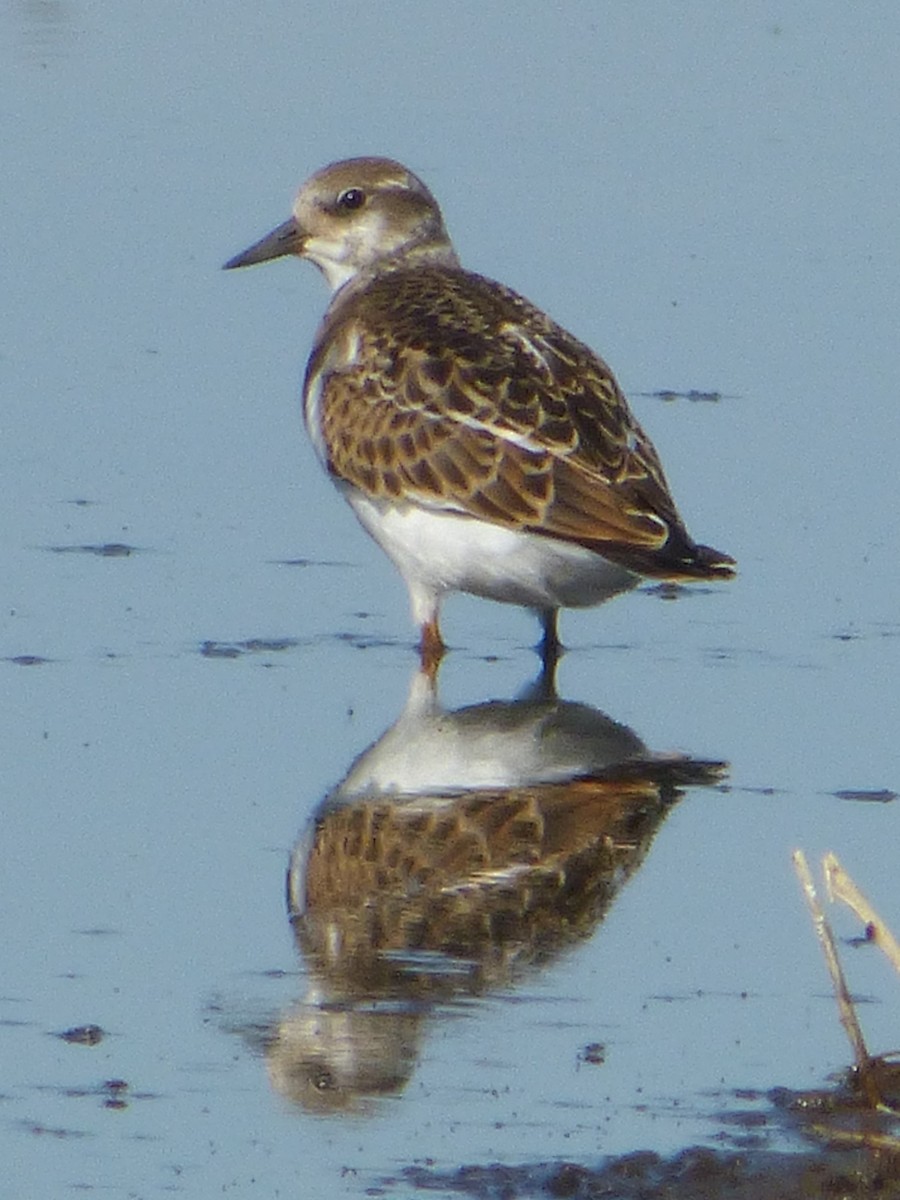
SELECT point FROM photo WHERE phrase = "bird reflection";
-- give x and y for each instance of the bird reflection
(462, 849)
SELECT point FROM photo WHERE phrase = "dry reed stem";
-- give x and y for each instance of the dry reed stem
(826, 939)
(853, 1137)
(841, 887)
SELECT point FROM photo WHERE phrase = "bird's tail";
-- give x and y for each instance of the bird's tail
(713, 564)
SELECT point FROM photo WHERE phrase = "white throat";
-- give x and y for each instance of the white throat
(371, 248)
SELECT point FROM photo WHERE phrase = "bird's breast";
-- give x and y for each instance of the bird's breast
(331, 355)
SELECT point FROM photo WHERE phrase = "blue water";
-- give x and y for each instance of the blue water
(709, 199)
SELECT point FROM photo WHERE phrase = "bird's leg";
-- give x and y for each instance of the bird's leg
(541, 689)
(425, 603)
(431, 647)
(549, 647)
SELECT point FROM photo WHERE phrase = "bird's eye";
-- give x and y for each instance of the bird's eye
(351, 198)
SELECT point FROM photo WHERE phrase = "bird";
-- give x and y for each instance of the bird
(464, 851)
(485, 449)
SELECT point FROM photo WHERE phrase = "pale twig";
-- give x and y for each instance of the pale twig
(853, 1137)
(826, 939)
(841, 887)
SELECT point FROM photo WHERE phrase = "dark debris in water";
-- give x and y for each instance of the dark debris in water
(844, 1103)
(360, 641)
(213, 649)
(676, 591)
(83, 1035)
(114, 1094)
(694, 1174)
(876, 795)
(101, 550)
(55, 1132)
(309, 562)
(28, 660)
(664, 591)
(220, 650)
(843, 1149)
(694, 394)
(594, 1053)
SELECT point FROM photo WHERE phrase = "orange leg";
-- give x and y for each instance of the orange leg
(431, 647)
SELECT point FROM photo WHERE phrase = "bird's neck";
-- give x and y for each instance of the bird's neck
(346, 279)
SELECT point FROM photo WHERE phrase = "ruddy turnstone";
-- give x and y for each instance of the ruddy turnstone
(482, 446)
(463, 850)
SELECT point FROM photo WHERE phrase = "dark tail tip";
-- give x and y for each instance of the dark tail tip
(715, 563)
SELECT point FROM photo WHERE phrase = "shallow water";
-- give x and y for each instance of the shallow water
(199, 647)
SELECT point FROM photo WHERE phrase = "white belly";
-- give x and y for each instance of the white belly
(439, 551)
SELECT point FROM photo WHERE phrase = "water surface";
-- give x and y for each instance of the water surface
(200, 649)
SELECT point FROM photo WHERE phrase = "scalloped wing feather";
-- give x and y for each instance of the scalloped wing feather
(455, 391)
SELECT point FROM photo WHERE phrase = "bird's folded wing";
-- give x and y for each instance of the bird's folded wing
(520, 453)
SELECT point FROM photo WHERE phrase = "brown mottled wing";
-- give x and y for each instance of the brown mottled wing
(457, 390)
